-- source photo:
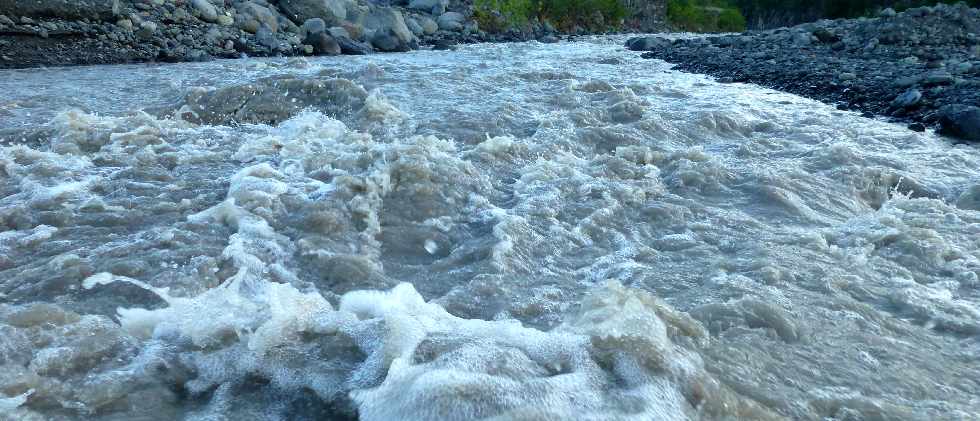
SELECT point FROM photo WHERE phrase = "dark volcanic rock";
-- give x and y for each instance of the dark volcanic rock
(323, 44)
(67, 9)
(904, 66)
(351, 47)
(647, 43)
(962, 121)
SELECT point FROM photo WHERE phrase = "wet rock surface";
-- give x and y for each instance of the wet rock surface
(903, 66)
(60, 33)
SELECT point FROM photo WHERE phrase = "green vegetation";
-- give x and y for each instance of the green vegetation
(499, 15)
(704, 16)
(685, 15)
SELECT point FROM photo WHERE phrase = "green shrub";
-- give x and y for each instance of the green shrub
(704, 16)
(499, 15)
(731, 20)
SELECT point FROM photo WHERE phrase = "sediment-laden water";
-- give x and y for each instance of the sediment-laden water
(506, 232)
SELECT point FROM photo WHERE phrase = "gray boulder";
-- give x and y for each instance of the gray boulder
(353, 48)
(339, 32)
(251, 16)
(451, 21)
(65, 9)
(647, 43)
(961, 121)
(429, 25)
(312, 27)
(205, 10)
(907, 99)
(385, 41)
(435, 7)
(333, 12)
(323, 44)
(266, 38)
(938, 78)
(413, 25)
(146, 30)
(389, 30)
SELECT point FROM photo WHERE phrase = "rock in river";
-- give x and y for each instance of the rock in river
(333, 12)
(962, 121)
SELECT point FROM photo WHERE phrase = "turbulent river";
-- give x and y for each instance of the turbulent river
(505, 232)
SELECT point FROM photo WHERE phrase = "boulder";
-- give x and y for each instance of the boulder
(333, 12)
(323, 44)
(353, 48)
(443, 44)
(907, 99)
(225, 20)
(825, 36)
(146, 31)
(389, 30)
(251, 16)
(429, 25)
(205, 10)
(961, 121)
(413, 25)
(64, 9)
(312, 27)
(938, 78)
(451, 21)
(385, 41)
(266, 38)
(338, 32)
(647, 43)
(435, 7)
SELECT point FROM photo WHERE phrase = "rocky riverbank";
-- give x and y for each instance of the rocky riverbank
(72, 32)
(921, 66)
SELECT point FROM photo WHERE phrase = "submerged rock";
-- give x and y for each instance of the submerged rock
(271, 101)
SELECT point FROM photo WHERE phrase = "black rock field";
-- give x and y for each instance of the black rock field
(921, 66)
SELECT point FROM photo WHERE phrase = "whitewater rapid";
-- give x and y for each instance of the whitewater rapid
(504, 232)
